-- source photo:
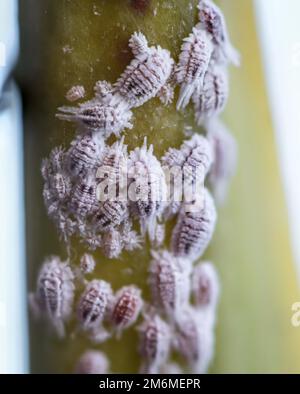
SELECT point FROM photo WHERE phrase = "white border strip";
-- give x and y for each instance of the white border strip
(279, 31)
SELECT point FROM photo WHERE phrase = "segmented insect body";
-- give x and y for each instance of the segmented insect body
(75, 93)
(194, 340)
(92, 362)
(111, 214)
(112, 244)
(169, 282)
(93, 306)
(85, 153)
(104, 114)
(206, 288)
(194, 228)
(213, 21)
(211, 100)
(193, 63)
(87, 263)
(83, 200)
(225, 158)
(188, 166)
(127, 306)
(146, 74)
(148, 188)
(55, 293)
(155, 341)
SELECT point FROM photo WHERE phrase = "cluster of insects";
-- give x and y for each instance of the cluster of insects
(113, 199)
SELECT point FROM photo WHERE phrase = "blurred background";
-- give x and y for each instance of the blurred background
(256, 246)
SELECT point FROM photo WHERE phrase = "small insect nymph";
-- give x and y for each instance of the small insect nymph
(211, 100)
(93, 307)
(170, 282)
(127, 306)
(225, 158)
(87, 263)
(112, 244)
(54, 294)
(147, 73)
(75, 93)
(194, 228)
(193, 63)
(92, 362)
(213, 21)
(155, 341)
(148, 188)
(85, 153)
(103, 114)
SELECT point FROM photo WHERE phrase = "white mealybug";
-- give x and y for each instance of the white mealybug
(85, 153)
(93, 307)
(188, 167)
(155, 341)
(169, 281)
(206, 289)
(92, 362)
(54, 293)
(194, 340)
(213, 21)
(193, 63)
(87, 263)
(159, 235)
(131, 239)
(104, 114)
(127, 306)
(225, 158)
(148, 189)
(211, 100)
(75, 93)
(194, 228)
(147, 73)
(112, 244)
(83, 201)
(111, 214)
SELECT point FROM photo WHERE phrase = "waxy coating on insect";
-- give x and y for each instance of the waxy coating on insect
(75, 93)
(225, 158)
(54, 293)
(93, 307)
(169, 280)
(212, 20)
(147, 188)
(155, 341)
(193, 63)
(147, 73)
(194, 228)
(127, 306)
(211, 100)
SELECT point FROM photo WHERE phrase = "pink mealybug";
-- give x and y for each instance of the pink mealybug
(225, 158)
(127, 306)
(193, 63)
(147, 189)
(94, 305)
(213, 21)
(83, 201)
(155, 341)
(147, 73)
(211, 100)
(194, 228)
(54, 293)
(92, 362)
(169, 279)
